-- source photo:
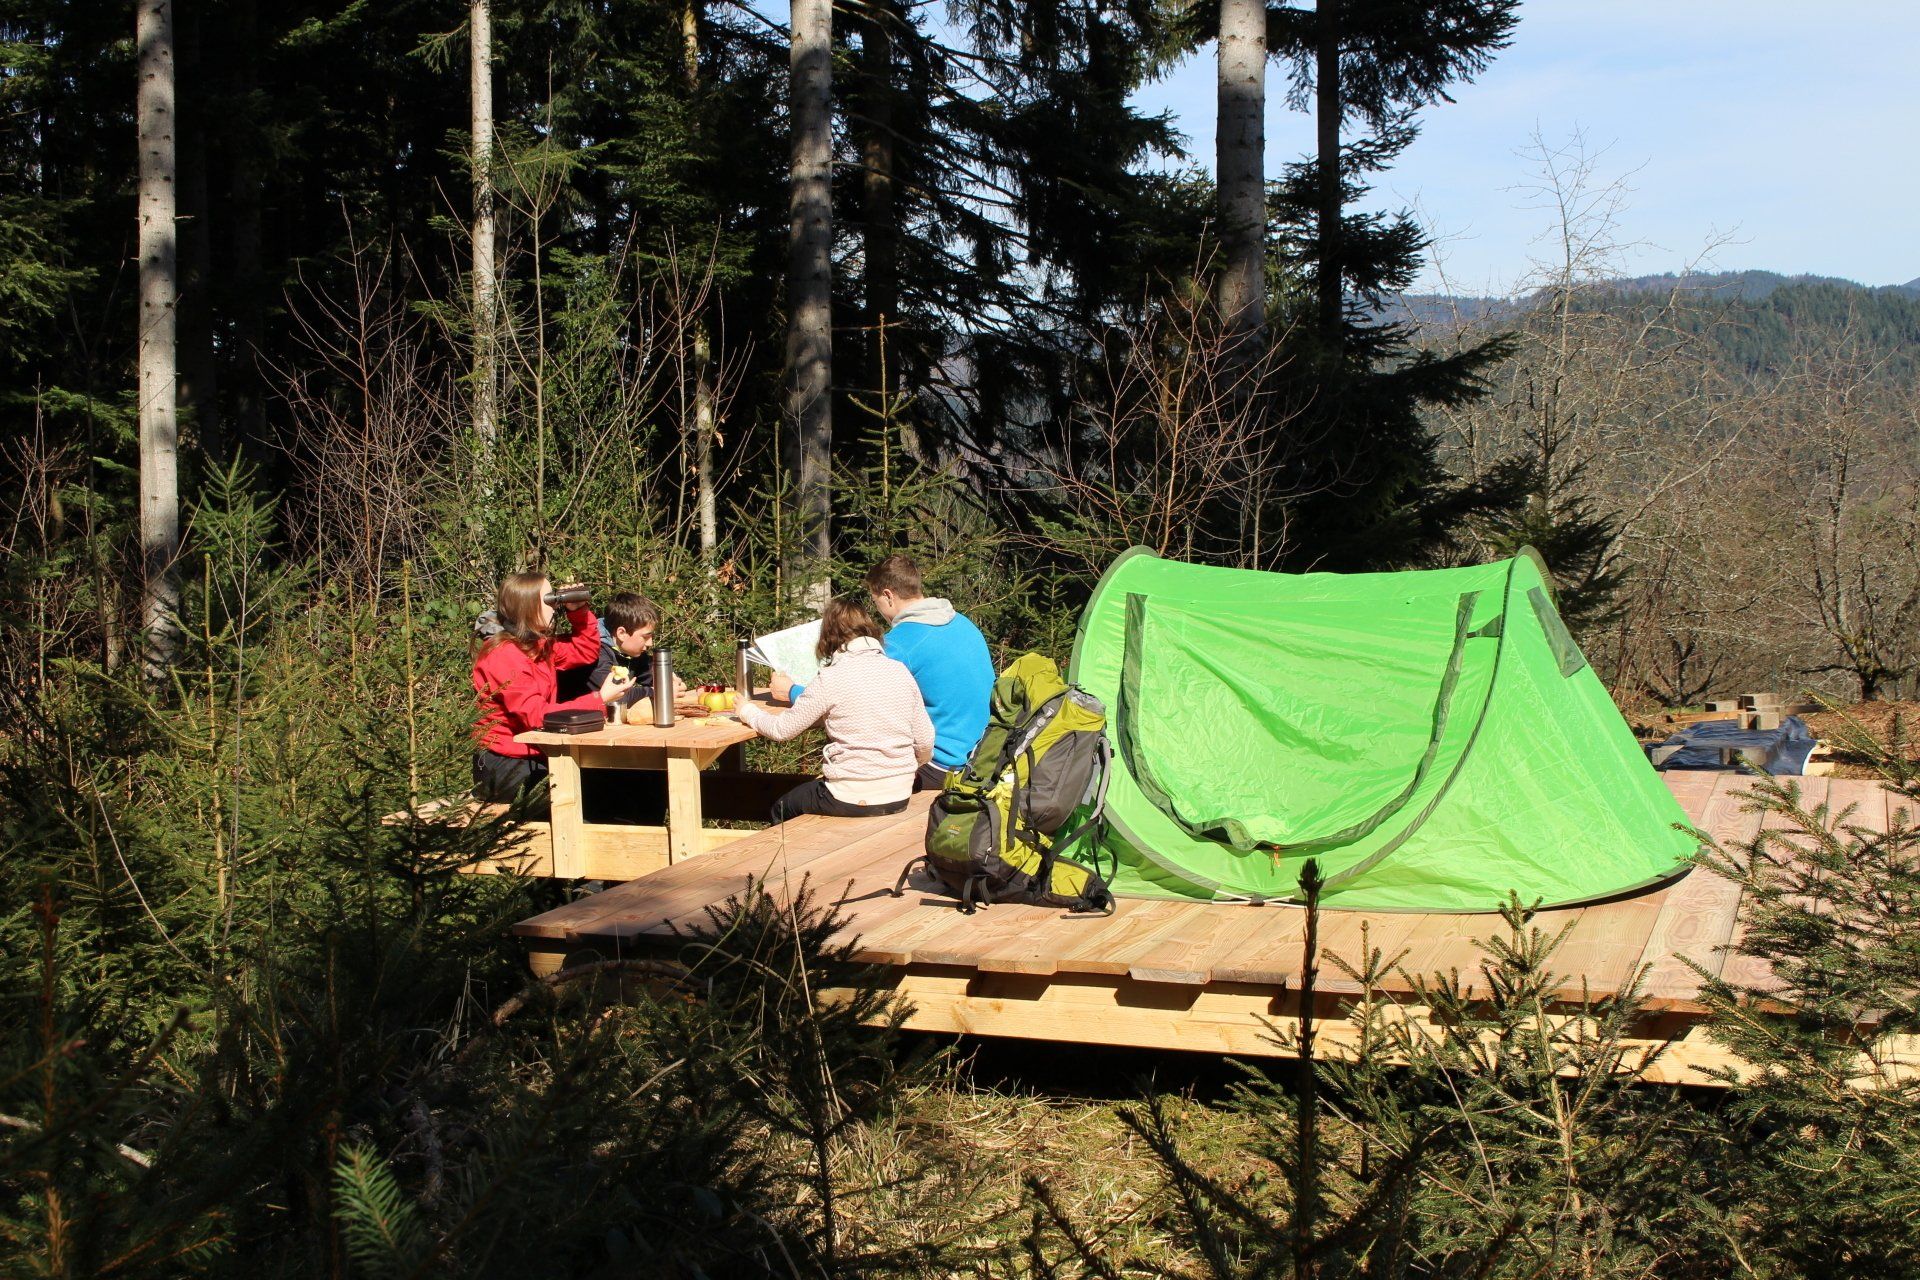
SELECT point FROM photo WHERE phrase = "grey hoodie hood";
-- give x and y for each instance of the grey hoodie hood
(933, 611)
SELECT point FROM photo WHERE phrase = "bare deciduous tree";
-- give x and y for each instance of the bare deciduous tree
(375, 490)
(1621, 421)
(705, 385)
(1848, 534)
(369, 496)
(1182, 451)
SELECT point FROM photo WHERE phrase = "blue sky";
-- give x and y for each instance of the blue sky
(1786, 130)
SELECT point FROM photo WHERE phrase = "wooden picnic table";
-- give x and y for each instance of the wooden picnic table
(617, 851)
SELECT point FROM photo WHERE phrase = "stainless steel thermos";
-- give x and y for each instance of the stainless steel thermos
(743, 671)
(662, 689)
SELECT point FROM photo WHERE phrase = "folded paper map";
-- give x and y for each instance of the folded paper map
(790, 651)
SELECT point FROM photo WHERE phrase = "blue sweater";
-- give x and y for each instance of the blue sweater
(950, 662)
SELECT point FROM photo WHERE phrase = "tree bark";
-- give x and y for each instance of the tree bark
(1328, 108)
(199, 383)
(1239, 160)
(159, 425)
(705, 427)
(485, 281)
(249, 284)
(808, 443)
(880, 230)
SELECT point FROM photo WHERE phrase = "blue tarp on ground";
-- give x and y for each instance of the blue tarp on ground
(1700, 746)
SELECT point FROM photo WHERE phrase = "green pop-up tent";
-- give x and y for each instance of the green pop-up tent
(1435, 739)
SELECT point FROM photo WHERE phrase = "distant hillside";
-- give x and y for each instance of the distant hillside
(1754, 286)
(1759, 320)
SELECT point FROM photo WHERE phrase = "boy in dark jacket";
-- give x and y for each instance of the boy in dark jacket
(628, 622)
(626, 634)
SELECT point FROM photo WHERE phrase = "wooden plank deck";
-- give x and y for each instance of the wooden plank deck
(1180, 974)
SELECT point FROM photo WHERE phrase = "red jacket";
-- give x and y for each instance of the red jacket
(516, 692)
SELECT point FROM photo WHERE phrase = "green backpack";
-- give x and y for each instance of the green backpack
(992, 834)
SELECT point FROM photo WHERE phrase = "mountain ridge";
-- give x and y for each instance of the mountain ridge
(1758, 323)
(1752, 285)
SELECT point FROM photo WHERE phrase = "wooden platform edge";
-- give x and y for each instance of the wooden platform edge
(1244, 1020)
(1258, 1021)
(1145, 989)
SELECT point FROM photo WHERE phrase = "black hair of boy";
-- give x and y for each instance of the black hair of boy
(629, 611)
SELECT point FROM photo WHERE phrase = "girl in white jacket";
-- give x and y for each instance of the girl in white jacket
(877, 727)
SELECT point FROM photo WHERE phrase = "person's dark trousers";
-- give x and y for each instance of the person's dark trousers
(813, 797)
(499, 779)
(932, 777)
(623, 796)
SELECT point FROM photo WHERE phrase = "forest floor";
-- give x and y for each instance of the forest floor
(1876, 720)
(998, 1113)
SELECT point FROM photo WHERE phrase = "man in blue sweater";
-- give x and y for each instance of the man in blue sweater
(947, 655)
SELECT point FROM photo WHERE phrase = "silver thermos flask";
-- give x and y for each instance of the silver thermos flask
(743, 671)
(662, 689)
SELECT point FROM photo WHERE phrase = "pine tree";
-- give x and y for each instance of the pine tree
(1820, 1130)
(1491, 1129)
(1377, 493)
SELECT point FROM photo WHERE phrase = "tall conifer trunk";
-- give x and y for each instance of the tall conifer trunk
(199, 383)
(159, 287)
(1239, 160)
(1327, 111)
(808, 443)
(249, 285)
(704, 424)
(485, 283)
(879, 214)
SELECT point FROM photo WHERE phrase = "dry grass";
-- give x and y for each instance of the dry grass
(952, 1163)
(1850, 730)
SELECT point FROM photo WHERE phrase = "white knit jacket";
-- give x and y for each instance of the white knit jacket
(877, 726)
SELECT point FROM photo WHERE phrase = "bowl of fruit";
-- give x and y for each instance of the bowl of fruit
(717, 698)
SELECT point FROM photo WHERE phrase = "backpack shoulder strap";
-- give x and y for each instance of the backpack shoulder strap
(1097, 805)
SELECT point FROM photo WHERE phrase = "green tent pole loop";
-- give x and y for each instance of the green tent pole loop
(1231, 831)
(1486, 704)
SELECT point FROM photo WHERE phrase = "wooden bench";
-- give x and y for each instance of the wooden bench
(610, 851)
(529, 851)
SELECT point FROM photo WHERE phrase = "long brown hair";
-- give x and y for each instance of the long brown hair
(842, 621)
(518, 609)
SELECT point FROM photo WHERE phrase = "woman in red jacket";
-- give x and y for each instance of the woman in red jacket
(515, 674)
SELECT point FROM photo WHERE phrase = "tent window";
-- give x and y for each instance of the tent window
(1559, 639)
